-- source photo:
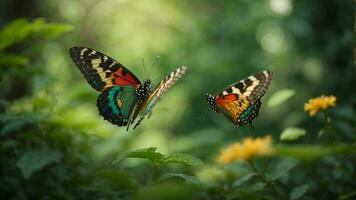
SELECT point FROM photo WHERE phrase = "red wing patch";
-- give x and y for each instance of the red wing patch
(225, 98)
(100, 70)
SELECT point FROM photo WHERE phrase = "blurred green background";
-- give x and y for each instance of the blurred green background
(55, 145)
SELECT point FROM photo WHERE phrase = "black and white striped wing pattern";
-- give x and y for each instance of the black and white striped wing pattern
(252, 87)
(161, 88)
(100, 70)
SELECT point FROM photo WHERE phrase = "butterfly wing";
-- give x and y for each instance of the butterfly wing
(100, 70)
(116, 104)
(161, 88)
(240, 102)
(253, 87)
(251, 113)
(238, 109)
(116, 83)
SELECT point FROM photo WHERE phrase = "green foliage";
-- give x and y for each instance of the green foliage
(190, 179)
(242, 180)
(182, 159)
(14, 123)
(298, 192)
(280, 97)
(147, 153)
(13, 32)
(20, 29)
(166, 191)
(292, 133)
(55, 145)
(13, 60)
(283, 167)
(35, 160)
(159, 159)
(121, 179)
(308, 152)
(348, 196)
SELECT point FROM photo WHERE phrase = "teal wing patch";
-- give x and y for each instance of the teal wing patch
(250, 113)
(116, 104)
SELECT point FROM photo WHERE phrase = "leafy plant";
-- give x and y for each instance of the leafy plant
(55, 145)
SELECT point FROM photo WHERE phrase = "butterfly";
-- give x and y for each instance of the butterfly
(123, 96)
(241, 101)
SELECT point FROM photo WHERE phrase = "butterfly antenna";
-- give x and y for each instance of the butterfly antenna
(153, 64)
(144, 67)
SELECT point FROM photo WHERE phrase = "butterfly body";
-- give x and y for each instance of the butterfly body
(123, 96)
(240, 102)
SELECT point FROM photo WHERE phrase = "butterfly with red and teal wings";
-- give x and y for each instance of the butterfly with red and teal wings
(123, 96)
(240, 102)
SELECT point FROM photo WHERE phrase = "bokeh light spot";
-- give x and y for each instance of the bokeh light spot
(272, 38)
(71, 10)
(282, 7)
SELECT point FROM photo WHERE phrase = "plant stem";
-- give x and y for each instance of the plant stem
(155, 172)
(326, 117)
(265, 179)
(328, 128)
(230, 180)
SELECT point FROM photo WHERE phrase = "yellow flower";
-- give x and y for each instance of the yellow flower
(316, 104)
(248, 148)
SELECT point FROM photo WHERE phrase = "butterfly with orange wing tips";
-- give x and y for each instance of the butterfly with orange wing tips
(241, 101)
(123, 96)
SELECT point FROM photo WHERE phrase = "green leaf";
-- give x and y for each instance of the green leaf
(49, 30)
(15, 122)
(158, 158)
(121, 179)
(13, 32)
(146, 153)
(190, 179)
(283, 167)
(35, 160)
(53, 30)
(183, 159)
(11, 60)
(20, 29)
(243, 179)
(347, 195)
(292, 133)
(257, 186)
(15, 126)
(298, 192)
(280, 97)
(165, 191)
(308, 152)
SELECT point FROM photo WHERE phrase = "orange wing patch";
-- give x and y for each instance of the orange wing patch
(232, 105)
